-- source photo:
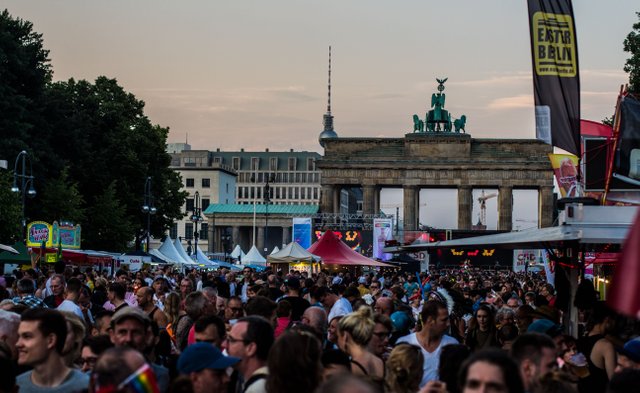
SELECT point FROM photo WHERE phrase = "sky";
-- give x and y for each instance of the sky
(253, 74)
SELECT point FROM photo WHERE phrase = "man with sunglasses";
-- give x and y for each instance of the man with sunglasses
(250, 340)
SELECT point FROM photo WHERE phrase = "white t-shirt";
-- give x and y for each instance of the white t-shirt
(340, 307)
(68, 305)
(431, 359)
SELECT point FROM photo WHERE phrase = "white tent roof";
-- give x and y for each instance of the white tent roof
(169, 250)
(160, 256)
(178, 245)
(202, 259)
(275, 250)
(293, 252)
(237, 253)
(253, 257)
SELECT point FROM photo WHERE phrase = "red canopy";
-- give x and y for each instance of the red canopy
(335, 252)
(78, 256)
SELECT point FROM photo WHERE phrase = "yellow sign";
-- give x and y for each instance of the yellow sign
(554, 43)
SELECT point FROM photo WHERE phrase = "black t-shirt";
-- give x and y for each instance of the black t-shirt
(275, 293)
(298, 305)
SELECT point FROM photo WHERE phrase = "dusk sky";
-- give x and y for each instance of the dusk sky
(253, 74)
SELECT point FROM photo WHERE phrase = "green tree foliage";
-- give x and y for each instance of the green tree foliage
(10, 211)
(632, 65)
(85, 140)
(61, 200)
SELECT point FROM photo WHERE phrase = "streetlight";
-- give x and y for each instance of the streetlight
(267, 200)
(24, 182)
(196, 218)
(148, 208)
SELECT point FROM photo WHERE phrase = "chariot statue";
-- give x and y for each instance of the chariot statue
(438, 119)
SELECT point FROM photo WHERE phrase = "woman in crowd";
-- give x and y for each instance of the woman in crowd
(482, 330)
(404, 369)
(354, 333)
(490, 370)
(294, 363)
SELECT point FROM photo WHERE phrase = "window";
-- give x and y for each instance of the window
(173, 231)
(189, 161)
(277, 192)
(204, 231)
(206, 183)
(188, 231)
(311, 164)
(217, 160)
(189, 207)
(236, 163)
(255, 163)
(205, 203)
(292, 163)
(190, 183)
(315, 193)
(295, 192)
(227, 187)
(273, 164)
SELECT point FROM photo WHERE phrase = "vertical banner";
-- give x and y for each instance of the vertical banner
(627, 159)
(302, 231)
(556, 81)
(549, 270)
(565, 168)
(382, 231)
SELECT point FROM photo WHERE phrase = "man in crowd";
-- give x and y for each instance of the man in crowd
(298, 304)
(629, 355)
(210, 329)
(41, 337)
(116, 294)
(535, 355)
(144, 297)
(316, 318)
(206, 367)
(432, 338)
(9, 322)
(131, 327)
(58, 285)
(26, 294)
(274, 292)
(384, 306)
(123, 369)
(71, 296)
(250, 340)
(337, 305)
(233, 310)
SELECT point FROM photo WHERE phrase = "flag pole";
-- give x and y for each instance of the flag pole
(615, 135)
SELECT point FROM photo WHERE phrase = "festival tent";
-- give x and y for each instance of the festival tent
(10, 249)
(293, 252)
(168, 250)
(178, 245)
(334, 251)
(237, 253)
(275, 250)
(202, 259)
(253, 257)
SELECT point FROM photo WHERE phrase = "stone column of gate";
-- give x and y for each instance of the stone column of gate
(235, 235)
(260, 239)
(368, 199)
(410, 199)
(545, 206)
(465, 205)
(336, 199)
(286, 237)
(326, 203)
(376, 200)
(505, 208)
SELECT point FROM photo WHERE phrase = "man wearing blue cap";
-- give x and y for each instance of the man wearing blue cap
(207, 367)
(629, 355)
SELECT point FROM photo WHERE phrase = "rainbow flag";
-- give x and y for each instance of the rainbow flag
(143, 380)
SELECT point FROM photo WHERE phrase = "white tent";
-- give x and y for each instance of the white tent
(253, 257)
(202, 259)
(293, 252)
(237, 253)
(275, 250)
(169, 250)
(178, 245)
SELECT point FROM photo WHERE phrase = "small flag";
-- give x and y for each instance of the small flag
(142, 380)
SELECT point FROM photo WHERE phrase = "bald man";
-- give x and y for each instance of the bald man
(316, 318)
(144, 296)
(384, 306)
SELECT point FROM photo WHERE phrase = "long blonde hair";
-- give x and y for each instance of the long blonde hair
(359, 324)
(404, 369)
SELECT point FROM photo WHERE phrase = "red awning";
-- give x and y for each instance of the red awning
(79, 257)
(334, 251)
(592, 128)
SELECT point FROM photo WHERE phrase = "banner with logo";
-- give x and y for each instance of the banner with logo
(556, 80)
(382, 231)
(302, 231)
(565, 168)
(38, 232)
(549, 268)
(524, 258)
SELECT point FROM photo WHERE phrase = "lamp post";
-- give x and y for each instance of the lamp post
(196, 218)
(267, 200)
(148, 208)
(25, 180)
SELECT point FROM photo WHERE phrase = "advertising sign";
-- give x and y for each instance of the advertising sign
(38, 232)
(67, 236)
(382, 231)
(359, 241)
(302, 231)
(565, 168)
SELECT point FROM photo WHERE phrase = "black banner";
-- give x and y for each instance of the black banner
(556, 80)
(627, 161)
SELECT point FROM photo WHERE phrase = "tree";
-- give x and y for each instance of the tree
(632, 65)
(10, 211)
(61, 200)
(107, 226)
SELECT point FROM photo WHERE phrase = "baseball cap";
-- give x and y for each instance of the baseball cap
(200, 356)
(545, 326)
(631, 349)
(130, 312)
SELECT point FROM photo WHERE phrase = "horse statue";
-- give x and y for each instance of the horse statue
(459, 124)
(418, 125)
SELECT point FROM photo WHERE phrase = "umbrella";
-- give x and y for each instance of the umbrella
(9, 249)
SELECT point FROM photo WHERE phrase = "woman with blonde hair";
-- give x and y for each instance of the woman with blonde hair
(404, 369)
(354, 333)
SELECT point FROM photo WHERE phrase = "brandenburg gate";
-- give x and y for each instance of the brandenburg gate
(435, 156)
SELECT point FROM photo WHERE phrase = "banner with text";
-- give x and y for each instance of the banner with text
(556, 80)
(565, 168)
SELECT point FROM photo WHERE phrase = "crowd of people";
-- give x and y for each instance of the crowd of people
(160, 330)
